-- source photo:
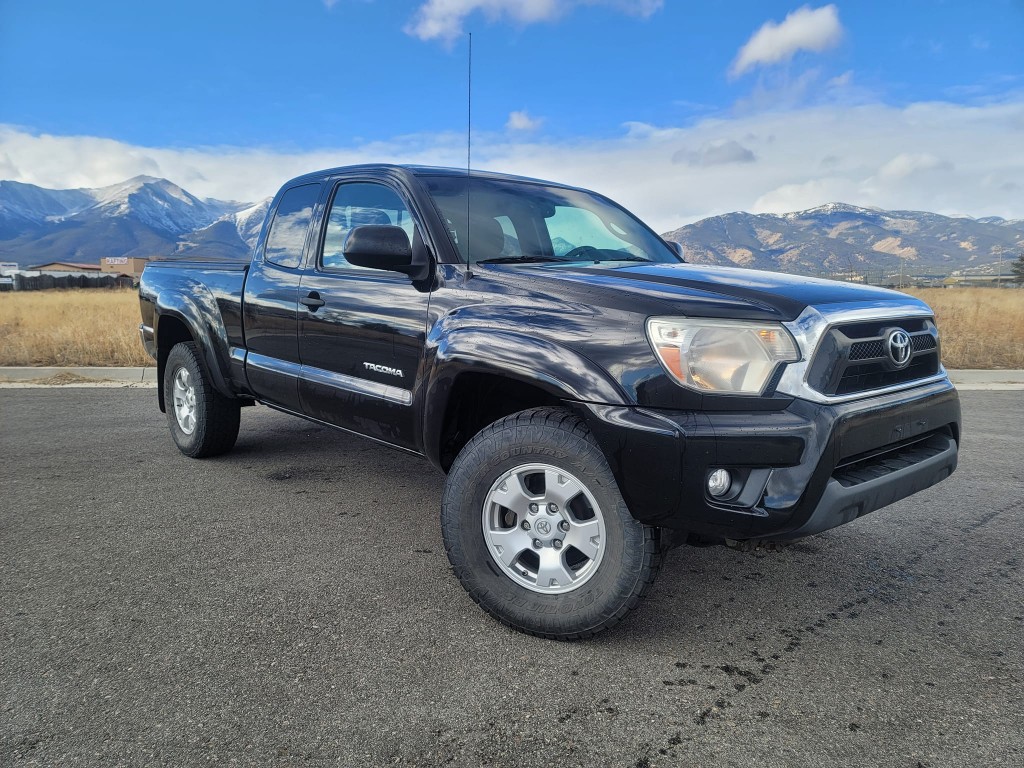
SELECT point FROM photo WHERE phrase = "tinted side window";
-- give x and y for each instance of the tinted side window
(291, 223)
(354, 205)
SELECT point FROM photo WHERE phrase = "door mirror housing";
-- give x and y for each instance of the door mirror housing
(379, 246)
(677, 248)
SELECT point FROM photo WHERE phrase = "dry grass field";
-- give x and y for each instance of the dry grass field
(981, 327)
(73, 327)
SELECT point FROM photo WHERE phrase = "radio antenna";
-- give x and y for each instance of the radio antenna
(469, 149)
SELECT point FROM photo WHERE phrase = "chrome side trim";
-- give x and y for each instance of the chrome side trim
(815, 322)
(359, 386)
(272, 365)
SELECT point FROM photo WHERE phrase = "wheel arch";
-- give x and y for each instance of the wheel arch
(179, 318)
(480, 376)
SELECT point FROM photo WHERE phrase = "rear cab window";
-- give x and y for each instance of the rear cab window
(286, 240)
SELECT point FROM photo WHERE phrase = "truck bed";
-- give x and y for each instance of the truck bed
(201, 294)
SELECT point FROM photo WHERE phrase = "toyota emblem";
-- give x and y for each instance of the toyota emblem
(898, 347)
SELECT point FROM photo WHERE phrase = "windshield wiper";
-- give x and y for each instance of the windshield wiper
(516, 260)
(624, 257)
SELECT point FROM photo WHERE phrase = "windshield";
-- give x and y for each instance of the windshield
(513, 221)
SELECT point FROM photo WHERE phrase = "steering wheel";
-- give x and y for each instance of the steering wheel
(578, 251)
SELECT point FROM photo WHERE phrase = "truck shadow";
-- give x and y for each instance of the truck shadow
(715, 594)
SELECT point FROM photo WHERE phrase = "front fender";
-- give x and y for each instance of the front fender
(199, 311)
(550, 367)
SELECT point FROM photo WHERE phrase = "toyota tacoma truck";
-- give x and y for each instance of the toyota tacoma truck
(593, 399)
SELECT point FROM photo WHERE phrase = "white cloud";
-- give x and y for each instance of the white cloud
(841, 81)
(721, 152)
(940, 157)
(523, 121)
(807, 194)
(443, 19)
(805, 29)
(909, 163)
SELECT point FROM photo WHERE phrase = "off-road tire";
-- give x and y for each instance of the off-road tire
(216, 417)
(631, 556)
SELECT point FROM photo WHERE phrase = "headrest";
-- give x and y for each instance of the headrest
(487, 238)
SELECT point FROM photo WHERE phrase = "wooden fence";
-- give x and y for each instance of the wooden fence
(47, 282)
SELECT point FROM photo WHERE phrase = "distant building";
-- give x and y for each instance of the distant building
(124, 265)
(66, 269)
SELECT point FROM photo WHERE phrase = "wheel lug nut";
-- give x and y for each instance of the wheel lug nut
(537, 544)
(526, 525)
(557, 543)
(534, 509)
(552, 508)
(563, 526)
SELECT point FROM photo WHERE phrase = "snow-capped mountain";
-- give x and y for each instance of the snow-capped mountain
(143, 216)
(22, 204)
(157, 203)
(147, 216)
(231, 236)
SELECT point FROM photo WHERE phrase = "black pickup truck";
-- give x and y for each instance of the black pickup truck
(593, 399)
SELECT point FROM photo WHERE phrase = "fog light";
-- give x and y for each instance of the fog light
(719, 482)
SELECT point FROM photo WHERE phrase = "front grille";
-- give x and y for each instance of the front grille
(853, 358)
(874, 375)
(868, 350)
(865, 350)
(923, 342)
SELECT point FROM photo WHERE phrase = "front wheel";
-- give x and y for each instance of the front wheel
(537, 532)
(202, 421)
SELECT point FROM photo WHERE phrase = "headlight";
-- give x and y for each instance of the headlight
(730, 356)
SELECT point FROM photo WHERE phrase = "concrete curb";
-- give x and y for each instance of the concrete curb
(965, 380)
(973, 379)
(84, 376)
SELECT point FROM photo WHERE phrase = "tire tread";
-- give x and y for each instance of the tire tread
(218, 430)
(540, 422)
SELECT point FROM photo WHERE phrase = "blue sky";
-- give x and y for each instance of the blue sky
(723, 102)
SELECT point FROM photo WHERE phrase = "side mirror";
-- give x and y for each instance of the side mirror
(377, 246)
(677, 248)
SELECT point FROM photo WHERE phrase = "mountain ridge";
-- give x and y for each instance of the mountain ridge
(840, 239)
(152, 216)
(141, 216)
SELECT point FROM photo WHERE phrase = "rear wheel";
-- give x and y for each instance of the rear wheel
(202, 421)
(537, 532)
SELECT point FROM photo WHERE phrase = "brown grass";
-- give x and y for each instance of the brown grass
(73, 327)
(981, 327)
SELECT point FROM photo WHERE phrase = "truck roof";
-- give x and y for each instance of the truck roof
(421, 170)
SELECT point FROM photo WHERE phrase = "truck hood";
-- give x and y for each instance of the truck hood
(711, 291)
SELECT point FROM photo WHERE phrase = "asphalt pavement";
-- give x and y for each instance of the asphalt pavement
(291, 604)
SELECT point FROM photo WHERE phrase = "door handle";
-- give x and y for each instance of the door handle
(313, 301)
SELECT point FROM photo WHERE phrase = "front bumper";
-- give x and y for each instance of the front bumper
(808, 468)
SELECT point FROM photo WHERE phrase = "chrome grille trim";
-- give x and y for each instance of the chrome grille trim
(815, 322)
